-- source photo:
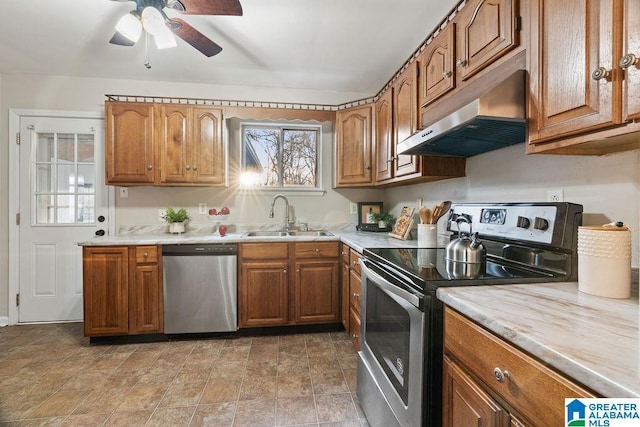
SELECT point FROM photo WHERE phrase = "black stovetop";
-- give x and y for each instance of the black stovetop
(428, 269)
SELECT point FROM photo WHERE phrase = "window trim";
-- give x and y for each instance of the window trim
(286, 125)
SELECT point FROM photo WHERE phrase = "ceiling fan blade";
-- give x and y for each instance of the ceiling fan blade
(212, 7)
(194, 37)
(120, 40)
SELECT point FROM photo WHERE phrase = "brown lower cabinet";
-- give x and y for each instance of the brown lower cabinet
(122, 288)
(489, 382)
(288, 283)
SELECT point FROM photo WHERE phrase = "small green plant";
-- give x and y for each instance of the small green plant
(385, 217)
(171, 215)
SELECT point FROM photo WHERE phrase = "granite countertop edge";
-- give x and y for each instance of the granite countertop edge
(607, 363)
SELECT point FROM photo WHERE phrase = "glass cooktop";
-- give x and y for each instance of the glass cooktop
(428, 265)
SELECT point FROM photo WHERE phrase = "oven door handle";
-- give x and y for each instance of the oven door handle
(389, 287)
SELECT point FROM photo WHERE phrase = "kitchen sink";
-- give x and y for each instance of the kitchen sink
(292, 233)
(310, 233)
(266, 233)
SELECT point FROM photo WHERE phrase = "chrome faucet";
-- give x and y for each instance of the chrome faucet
(287, 219)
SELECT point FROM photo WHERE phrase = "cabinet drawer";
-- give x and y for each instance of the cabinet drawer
(317, 249)
(146, 254)
(534, 390)
(355, 290)
(263, 251)
(354, 329)
(354, 256)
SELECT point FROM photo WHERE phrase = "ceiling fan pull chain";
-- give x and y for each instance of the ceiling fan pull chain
(147, 62)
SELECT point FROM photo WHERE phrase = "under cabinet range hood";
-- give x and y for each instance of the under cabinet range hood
(492, 121)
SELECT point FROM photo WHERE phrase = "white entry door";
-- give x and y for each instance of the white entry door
(63, 200)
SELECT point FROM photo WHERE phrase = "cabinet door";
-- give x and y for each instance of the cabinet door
(405, 113)
(465, 403)
(129, 143)
(317, 291)
(344, 295)
(486, 30)
(263, 294)
(173, 138)
(437, 66)
(354, 329)
(631, 46)
(354, 147)
(208, 156)
(384, 136)
(148, 308)
(106, 290)
(569, 40)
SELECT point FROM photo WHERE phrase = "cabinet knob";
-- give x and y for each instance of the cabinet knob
(145, 255)
(149, 167)
(284, 271)
(317, 250)
(390, 160)
(500, 375)
(188, 167)
(355, 295)
(628, 60)
(446, 74)
(600, 73)
(355, 336)
(461, 63)
(195, 168)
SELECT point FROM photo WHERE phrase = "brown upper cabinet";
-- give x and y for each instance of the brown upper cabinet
(584, 76)
(354, 142)
(485, 30)
(437, 66)
(396, 118)
(129, 143)
(164, 144)
(191, 149)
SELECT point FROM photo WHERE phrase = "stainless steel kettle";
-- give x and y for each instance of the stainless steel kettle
(466, 249)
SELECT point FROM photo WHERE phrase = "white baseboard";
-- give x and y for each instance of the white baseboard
(4, 320)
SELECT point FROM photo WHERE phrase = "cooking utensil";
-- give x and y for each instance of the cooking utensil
(440, 210)
(466, 249)
(426, 216)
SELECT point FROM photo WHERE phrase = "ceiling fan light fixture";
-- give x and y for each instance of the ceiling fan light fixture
(165, 39)
(152, 20)
(130, 27)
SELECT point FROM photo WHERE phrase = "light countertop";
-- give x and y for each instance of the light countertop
(591, 339)
(356, 239)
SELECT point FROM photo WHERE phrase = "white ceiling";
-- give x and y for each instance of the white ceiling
(332, 45)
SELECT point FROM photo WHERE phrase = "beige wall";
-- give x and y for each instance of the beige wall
(607, 186)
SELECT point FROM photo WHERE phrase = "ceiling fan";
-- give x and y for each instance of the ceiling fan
(150, 16)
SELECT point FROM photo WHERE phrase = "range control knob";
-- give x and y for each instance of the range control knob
(523, 222)
(540, 224)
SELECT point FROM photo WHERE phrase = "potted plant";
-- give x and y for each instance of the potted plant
(384, 219)
(176, 219)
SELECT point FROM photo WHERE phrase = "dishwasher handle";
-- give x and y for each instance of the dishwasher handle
(205, 249)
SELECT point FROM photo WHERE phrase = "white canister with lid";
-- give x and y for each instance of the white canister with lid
(604, 260)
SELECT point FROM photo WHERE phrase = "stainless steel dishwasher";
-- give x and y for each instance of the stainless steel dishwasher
(200, 288)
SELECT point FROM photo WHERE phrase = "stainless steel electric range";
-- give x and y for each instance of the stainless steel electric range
(400, 362)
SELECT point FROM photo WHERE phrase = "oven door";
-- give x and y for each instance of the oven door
(391, 368)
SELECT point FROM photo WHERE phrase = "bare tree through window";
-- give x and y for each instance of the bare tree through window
(281, 157)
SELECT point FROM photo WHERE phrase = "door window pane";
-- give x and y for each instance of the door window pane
(64, 189)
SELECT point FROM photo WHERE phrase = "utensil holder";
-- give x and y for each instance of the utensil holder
(427, 235)
(604, 261)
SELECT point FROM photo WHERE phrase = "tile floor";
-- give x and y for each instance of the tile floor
(50, 375)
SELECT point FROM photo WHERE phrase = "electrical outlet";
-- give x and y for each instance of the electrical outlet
(353, 208)
(160, 215)
(124, 192)
(556, 195)
(202, 208)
